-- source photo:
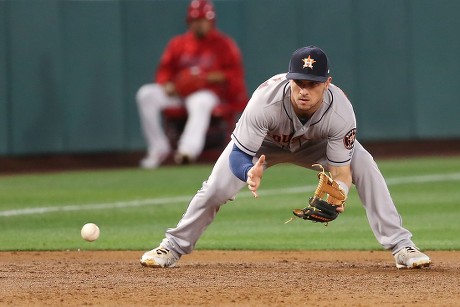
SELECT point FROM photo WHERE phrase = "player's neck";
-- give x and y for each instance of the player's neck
(305, 115)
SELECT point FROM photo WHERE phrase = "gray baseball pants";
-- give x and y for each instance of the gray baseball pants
(223, 186)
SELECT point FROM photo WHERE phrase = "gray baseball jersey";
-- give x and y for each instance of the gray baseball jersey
(269, 120)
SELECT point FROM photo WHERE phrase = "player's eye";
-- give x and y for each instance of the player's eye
(299, 83)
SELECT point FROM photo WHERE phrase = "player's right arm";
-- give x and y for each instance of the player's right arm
(243, 168)
(252, 128)
(255, 175)
(248, 136)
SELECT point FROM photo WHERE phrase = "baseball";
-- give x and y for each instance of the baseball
(90, 232)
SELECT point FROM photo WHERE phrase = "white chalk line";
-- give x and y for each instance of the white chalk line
(182, 199)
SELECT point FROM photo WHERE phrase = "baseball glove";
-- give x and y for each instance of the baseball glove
(319, 209)
(189, 80)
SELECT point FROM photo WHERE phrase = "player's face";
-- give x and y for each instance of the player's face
(200, 27)
(307, 96)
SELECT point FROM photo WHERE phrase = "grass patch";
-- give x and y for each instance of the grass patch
(134, 207)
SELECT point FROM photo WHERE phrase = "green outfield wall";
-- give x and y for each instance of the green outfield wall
(69, 70)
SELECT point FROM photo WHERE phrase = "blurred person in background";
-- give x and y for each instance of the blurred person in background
(199, 69)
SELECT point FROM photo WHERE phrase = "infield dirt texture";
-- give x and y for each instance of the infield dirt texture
(227, 278)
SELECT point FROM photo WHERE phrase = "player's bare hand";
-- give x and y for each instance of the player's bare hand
(340, 209)
(169, 88)
(255, 175)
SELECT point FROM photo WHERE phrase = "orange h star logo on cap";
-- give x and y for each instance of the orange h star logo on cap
(308, 62)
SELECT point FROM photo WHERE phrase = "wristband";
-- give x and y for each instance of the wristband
(344, 187)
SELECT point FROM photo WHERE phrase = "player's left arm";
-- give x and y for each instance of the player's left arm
(341, 175)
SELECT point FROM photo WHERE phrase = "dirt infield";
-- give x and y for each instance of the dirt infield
(226, 278)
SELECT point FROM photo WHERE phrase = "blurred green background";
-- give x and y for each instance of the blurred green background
(134, 207)
(69, 69)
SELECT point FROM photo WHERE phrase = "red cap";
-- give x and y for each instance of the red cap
(201, 9)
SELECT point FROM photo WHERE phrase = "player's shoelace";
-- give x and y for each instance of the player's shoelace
(166, 255)
(412, 250)
(162, 251)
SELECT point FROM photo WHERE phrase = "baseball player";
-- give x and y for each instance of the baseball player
(299, 118)
(198, 69)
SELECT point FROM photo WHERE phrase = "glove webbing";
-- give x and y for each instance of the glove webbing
(327, 186)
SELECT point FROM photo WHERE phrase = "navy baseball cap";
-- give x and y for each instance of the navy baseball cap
(308, 63)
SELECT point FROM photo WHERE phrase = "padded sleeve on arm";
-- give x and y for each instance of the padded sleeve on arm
(240, 163)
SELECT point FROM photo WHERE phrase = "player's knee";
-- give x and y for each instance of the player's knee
(141, 94)
(202, 101)
(147, 93)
